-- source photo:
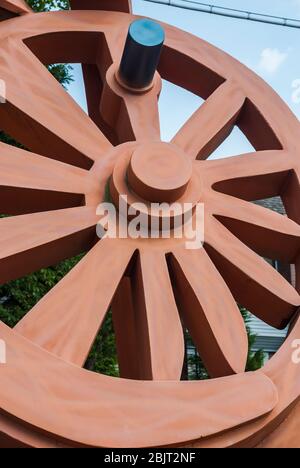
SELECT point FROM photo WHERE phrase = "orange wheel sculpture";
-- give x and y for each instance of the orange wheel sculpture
(51, 193)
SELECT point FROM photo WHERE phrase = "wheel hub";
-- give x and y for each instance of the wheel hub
(159, 172)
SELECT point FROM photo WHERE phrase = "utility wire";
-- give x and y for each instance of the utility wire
(230, 12)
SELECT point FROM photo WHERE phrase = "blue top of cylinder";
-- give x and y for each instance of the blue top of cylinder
(147, 32)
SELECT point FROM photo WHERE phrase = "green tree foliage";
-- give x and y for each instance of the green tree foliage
(256, 359)
(47, 5)
(62, 72)
(103, 355)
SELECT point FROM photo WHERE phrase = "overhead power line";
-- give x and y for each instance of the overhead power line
(230, 12)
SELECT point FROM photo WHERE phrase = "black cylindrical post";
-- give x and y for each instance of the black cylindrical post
(141, 53)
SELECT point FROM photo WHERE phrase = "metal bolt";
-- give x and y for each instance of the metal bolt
(141, 53)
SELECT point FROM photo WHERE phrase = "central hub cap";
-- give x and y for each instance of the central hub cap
(159, 172)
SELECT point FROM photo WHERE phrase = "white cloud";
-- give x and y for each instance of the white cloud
(272, 59)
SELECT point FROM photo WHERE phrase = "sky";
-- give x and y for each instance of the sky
(270, 51)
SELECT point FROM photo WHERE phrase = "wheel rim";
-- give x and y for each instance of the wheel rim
(234, 95)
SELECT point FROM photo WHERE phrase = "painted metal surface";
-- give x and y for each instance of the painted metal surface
(152, 284)
(12, 8)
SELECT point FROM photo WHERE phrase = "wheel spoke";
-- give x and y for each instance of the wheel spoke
(134, 117)
(142, 114)
(67, 320)
(52, 124)
(253, 282)
(270, 234)
(17, 7)
(125, 331)
(250, 176)
(30, 182)
(210, 313)
(93, 84)
(35, 241)
(159, 329)
(211, 124)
